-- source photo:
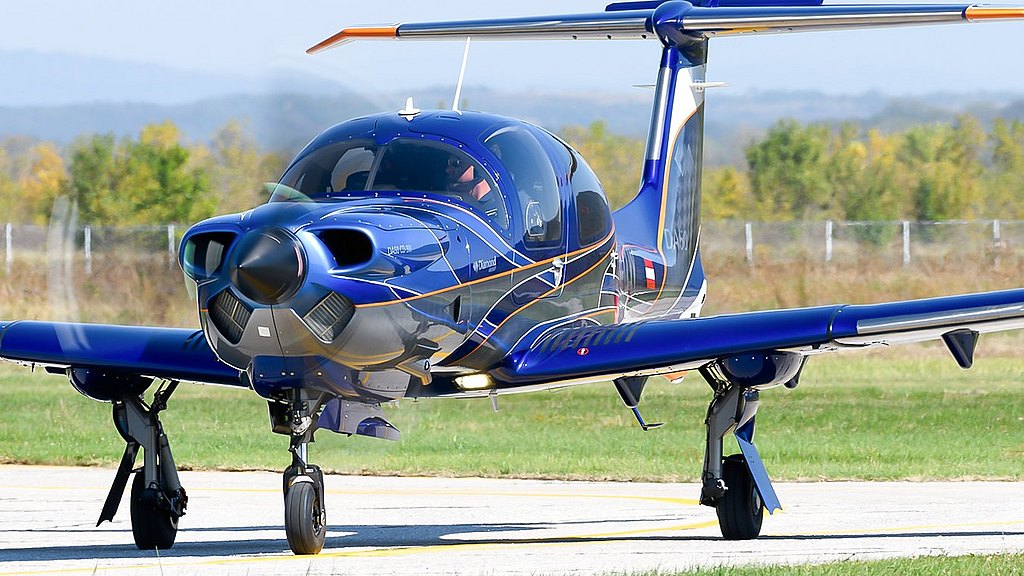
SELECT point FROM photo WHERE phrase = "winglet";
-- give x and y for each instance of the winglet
(349, 34)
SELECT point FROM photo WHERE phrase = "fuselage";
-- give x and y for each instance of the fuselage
(379, 265)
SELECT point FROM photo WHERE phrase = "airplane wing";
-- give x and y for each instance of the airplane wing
(643, 20)
(168, 353)
(666, 346)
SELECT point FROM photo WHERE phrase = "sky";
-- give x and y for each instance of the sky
(253, 37)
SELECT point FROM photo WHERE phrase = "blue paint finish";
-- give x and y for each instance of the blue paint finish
(845, 323)
(377, 428)
(663, 343)
(331, 417)
(177, 354)
(271, 375)
(745, 438)
(407, 29)
(623, 6)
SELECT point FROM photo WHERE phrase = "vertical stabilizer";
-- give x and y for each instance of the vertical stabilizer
(660, 228)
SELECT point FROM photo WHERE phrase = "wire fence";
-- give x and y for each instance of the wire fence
(899, 243)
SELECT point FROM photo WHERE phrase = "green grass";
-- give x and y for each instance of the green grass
(1010, 564)
(853, 417)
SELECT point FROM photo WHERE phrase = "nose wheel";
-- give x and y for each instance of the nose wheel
(305, 515)
(305, 518)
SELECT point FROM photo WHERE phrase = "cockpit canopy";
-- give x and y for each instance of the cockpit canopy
(510, 173)
(352, 168)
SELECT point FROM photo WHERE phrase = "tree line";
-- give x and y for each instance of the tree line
(800, 171)
(793, 172)
(150, 178)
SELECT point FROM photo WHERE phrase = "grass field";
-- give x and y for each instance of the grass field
(1002, 565)
(853, 417)
(906, 413)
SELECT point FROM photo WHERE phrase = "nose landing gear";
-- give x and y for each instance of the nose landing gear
(305, 514)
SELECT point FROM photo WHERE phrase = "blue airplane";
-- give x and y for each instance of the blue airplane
(448, 253)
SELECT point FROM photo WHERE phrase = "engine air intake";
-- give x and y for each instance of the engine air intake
(350, 248)
(204, 253)
(329, 317)
(229, 315)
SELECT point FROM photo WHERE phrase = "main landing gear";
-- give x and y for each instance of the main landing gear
(305, 515)
(157, 499)
(737, 486)
(727, 484)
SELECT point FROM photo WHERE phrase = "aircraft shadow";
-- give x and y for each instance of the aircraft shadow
(397, 536)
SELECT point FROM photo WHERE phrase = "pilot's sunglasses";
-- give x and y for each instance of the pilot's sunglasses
(455, 163)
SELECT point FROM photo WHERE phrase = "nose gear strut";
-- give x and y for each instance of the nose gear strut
(305, 513)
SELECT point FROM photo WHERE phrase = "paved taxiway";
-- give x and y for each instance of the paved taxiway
(446, 526)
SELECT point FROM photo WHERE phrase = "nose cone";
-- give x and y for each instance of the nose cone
(268, 266)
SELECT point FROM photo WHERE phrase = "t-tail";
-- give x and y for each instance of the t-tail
(659, 230)
(660, 268)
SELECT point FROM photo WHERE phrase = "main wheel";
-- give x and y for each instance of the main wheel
(152, 527)
(741, 510)
(305, 520)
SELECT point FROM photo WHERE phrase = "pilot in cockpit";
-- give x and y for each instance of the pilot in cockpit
(463, 182)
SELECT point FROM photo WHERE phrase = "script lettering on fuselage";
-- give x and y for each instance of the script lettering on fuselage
(485, 265)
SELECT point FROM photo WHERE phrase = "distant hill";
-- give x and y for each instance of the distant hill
(60, 97)
(43, 79)
(287, 121)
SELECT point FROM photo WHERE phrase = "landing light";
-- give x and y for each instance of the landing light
(474, 382)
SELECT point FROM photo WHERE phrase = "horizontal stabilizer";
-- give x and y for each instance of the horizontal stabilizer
(619, 6)
(601, 25)
(676, 20)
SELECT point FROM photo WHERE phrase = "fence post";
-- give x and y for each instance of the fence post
(906, 243)
(9, 248)
(749, 233)
(88, 250)
(997, 244)
(170, 246)
(828, 241)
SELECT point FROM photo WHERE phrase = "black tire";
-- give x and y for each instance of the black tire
(305, 520)
(741, 510)
(152, 528)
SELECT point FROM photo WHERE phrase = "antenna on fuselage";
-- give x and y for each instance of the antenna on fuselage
(462, 75)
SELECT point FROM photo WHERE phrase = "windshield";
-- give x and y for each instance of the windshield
(353, 168)
(535, 183)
